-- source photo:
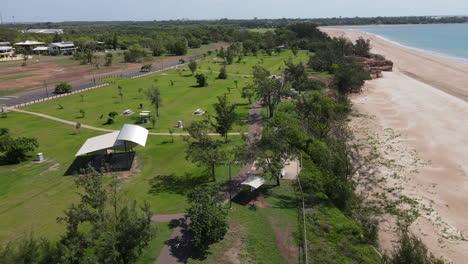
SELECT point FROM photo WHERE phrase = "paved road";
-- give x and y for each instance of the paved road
(43, 93)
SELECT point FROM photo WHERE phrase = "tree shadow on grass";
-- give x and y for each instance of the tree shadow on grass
(245, 197)
(180, 245)
(179, 184)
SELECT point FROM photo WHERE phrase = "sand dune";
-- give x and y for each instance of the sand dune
(425, 99)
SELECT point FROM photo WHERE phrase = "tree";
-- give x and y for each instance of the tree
(203, 149)
(116, 231)
(411, 250)
(268, 89)
(63, 87)
(109, 58)
(134, 54)
(111, 115)
(171, 132)
(362, 47)
(350, 78)
(57, 38)
(115, 41)
(225, 117)
(295, 73)
(222, 73)
(154, 96)
(15, 150)
(82, 112)
(201, 80)
(157, 48)
(208, 219)
(193, 66)
(248, 92)
(318, 113)
(25, 60)
(78, 126)
(177, 47)
(294, 50)
(120, 93)
(276, 145)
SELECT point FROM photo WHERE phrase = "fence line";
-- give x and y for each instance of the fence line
(303, 216)
(101, 85)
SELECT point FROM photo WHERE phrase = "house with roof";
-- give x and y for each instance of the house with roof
(45, 31)
(62, 47)
(6, 52)
(28, 45)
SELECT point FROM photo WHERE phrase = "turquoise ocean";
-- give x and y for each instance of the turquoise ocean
(446, 40)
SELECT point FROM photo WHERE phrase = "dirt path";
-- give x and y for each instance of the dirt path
(106, 129)
(177, 248)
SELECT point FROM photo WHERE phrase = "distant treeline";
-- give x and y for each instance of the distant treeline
(159, 36)
(256, 23)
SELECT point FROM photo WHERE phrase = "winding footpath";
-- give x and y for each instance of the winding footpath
(177, 248)
(105, 129)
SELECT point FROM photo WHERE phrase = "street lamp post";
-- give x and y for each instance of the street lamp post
(47, 91)
(230, 187)
(230, 183)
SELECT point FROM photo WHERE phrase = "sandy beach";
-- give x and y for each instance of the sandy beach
(425, 99)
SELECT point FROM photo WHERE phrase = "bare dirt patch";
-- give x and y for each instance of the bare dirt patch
(134, 170)
(285, 240)
(232, 254)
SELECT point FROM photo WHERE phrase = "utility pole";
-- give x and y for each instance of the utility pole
(47, 91)
(230, 187)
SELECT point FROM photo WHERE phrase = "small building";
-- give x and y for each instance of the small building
(123, 140)
(114, 150)
(6, 52)
(5, 43)
(62, 47)
(45, 31)
(29, 45)
(41, 50)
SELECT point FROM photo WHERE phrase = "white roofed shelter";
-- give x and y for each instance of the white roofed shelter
(123, 140)
(254, 181)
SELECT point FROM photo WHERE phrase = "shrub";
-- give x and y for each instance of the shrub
(63, 87)
(146, 68)
(411, 250)
(222, 73)
(15, 150)
(201, 80)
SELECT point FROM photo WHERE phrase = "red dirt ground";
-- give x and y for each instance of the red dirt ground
(284, 239)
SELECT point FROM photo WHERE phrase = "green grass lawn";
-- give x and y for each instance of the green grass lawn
(34, 194)
(179, 100)
(150, 253)
(265, 233)
(15, 77)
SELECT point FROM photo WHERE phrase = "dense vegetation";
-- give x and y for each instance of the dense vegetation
(310, 125)
(102, 228)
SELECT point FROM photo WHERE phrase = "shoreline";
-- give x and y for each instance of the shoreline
(446, 74)
(390, 25)
(426, 51)
(425, 101)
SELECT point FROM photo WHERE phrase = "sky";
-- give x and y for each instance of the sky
(138, 10)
